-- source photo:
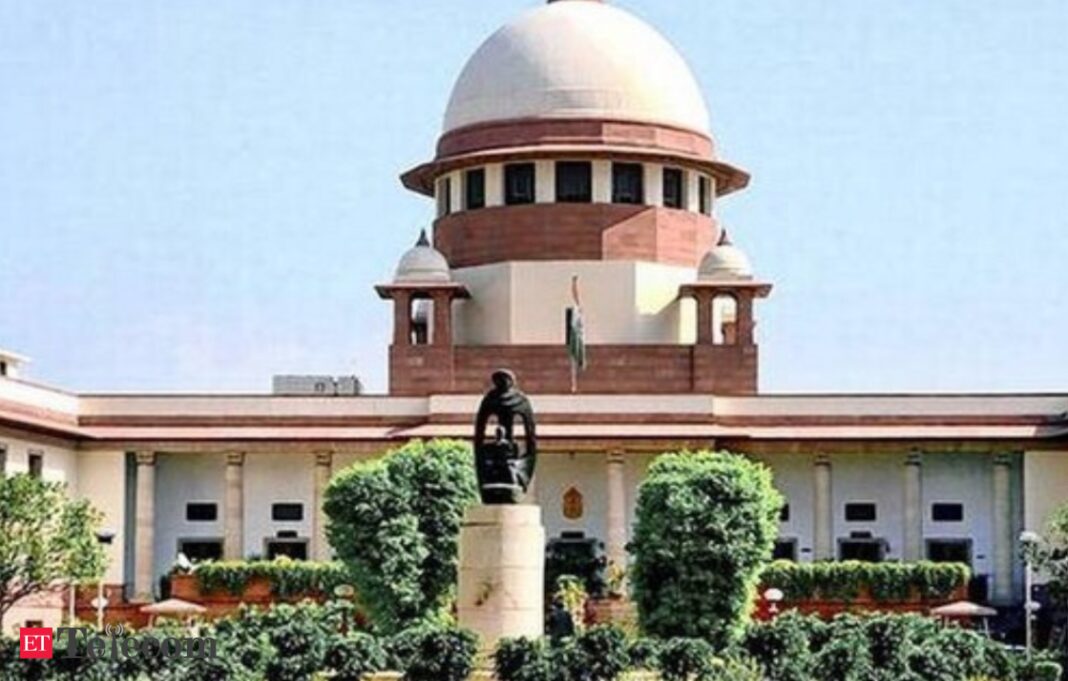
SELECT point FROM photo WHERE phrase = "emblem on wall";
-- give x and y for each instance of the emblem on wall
(573, 507)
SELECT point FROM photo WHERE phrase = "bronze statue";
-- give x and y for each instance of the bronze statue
(505, 467)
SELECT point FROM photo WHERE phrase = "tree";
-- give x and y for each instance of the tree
(395, 522)
(706, 526)
(45, 537)
(1051, 556)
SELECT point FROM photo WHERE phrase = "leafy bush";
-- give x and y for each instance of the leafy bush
(687, 659)
(706, 524)
(354, 655)
(846, 655)
(395, 522)
(645, 653)
(782, 647)
(522, 659)
(288, 578)
(606, 652)
(844, 580)
(434, 653)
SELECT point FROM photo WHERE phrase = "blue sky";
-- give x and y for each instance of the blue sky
(197, 195)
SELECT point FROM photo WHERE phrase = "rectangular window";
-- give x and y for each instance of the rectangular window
(297, 549)
(36, 464)
(674, 188)
(200, 550)
(3, 459)
(518, 184)
(475, 189)
(3, 368)
(860, 513)
(866, 550)
(628, 183)
(201, 512)
(287, 513)
(949, 551)
(947, 513)
(785, 549)
(784, 514)
(444, 196)
(704, 196)
(574, 182)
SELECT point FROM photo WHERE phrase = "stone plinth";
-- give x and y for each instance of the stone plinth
(502, 566)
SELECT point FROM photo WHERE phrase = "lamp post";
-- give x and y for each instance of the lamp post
(105, 537)
(773, 596)
(1027, 540)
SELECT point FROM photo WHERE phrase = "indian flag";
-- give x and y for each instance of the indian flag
(575, 335)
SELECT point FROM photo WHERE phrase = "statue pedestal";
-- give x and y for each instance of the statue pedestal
(502, 567)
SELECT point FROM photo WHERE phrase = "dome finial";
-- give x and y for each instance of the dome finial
(423, 240)
(725, 239)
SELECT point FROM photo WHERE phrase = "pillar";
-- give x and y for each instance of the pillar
(705, 334)
(324, 462)
(1002, 529)
(822, 510)
(402, 317)
(912, 533)
(144, 528)
(442, 318)
(234, 512)
(744, 321)
(616, 544)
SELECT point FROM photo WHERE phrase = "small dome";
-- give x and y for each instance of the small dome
(422, 263)
(725, 262)
(577, 59)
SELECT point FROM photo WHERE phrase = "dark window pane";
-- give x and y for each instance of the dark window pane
(198, 550)
(704, 198)
(519, 183)
(475, 189)
(201, 512)
(574, 182)
(869, 551)
(673, 188)
(947, 513)
(287, 512)
(36, 465)
(860, 513)
(949, 551)
(785, 549)
(627, 183)
(297, 550)
(784, 514)
(3, 459)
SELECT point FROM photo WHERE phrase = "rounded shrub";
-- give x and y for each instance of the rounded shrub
(354, 655)
(434, 653)
(687, 659)
(706, 525)
(522, 659)
(395, 523)
(782, 647)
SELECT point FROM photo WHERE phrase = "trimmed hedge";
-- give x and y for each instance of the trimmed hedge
(706, 525)
(844, 580)
(288, 578)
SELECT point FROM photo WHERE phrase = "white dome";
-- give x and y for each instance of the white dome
(725, 262)
(422, 263)
(577, 59)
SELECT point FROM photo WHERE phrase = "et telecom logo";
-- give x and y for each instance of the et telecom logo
(35, 643)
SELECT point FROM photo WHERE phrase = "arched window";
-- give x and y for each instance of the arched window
(422, 316)
(724, 319)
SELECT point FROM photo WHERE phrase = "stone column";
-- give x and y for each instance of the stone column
(744, 321)
(145, 525)
(501, 573)
(705, 333)
(234, 507)
(324, 462)
(442, 318)
(1002, 529)
(822, 511)
(912, 535)
(616, 544)
(402, 318)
